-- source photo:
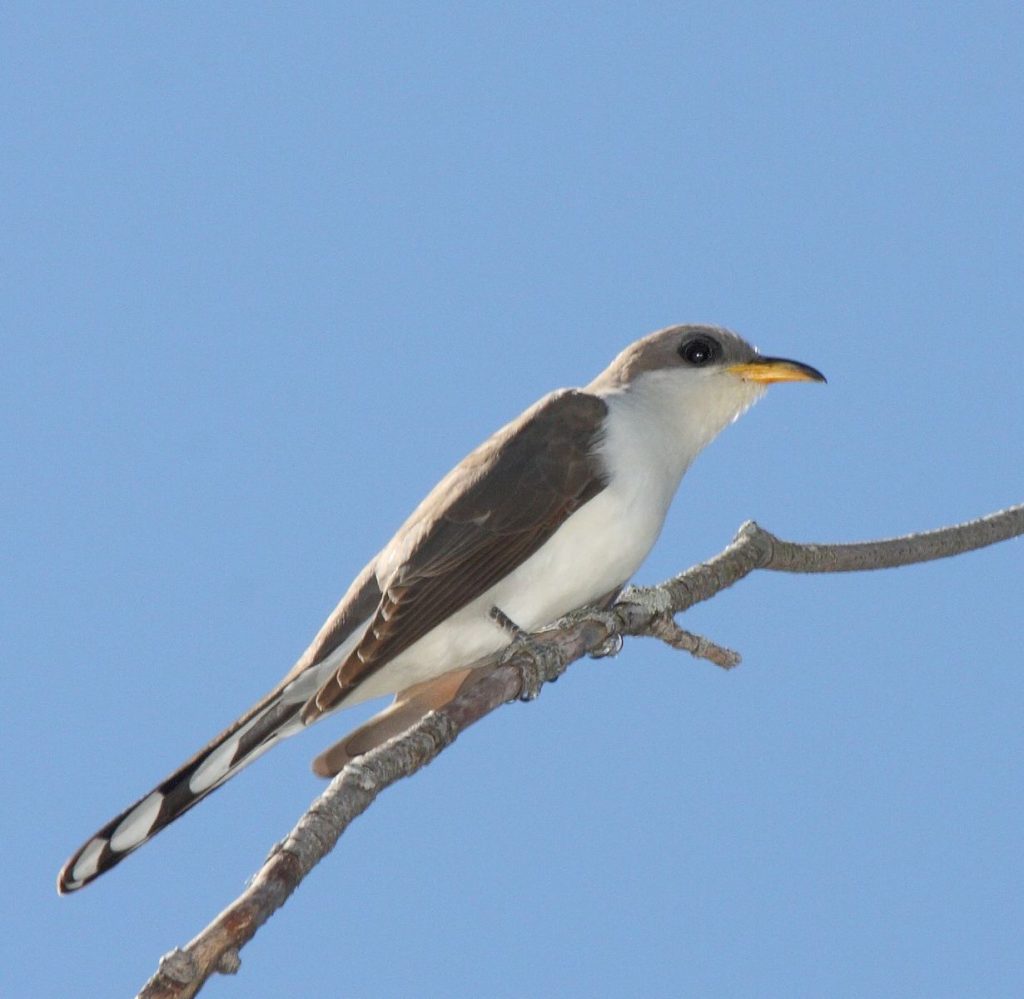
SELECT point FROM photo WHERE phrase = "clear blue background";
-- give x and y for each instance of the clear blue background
(268, 271)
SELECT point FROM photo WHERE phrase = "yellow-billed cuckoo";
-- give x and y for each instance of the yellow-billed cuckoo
(553, 512)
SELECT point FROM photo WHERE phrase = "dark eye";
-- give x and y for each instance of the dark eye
(699, 351)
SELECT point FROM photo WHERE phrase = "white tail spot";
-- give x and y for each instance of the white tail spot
(88, 863)
(135, 826)
(214, 767)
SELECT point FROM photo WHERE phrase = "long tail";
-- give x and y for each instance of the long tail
(274, 718)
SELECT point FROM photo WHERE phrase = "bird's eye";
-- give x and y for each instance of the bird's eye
(699, 351)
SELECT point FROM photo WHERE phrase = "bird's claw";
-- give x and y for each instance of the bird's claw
(536, 662)
(611, 646)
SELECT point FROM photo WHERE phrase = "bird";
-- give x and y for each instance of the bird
(554, 512)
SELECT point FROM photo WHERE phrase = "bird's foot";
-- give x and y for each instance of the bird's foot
(536, 661)
(612, 645)
(532, 662)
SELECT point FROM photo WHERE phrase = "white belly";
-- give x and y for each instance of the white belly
(596, 550)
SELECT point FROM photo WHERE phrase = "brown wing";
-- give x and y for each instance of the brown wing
(486, 517)
(356, 607)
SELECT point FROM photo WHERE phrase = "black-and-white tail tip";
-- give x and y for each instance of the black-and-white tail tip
(274, 718)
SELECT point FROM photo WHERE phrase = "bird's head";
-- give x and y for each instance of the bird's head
(699, 377)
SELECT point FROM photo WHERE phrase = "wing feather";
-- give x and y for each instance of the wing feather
(484, 519)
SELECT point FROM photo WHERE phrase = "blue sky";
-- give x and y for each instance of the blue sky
(269, 271)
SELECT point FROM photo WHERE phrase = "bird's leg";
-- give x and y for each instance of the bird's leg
(540, 662)
(612, 645)
(499, 617)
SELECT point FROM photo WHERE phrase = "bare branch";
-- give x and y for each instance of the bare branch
(664, 626)
(789, 557)
(532, 661)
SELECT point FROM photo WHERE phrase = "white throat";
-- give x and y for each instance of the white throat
(661, 421)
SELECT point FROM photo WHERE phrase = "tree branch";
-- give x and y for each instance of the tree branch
(526, 665)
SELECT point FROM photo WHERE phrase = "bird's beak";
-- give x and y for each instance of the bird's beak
(767, 370)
